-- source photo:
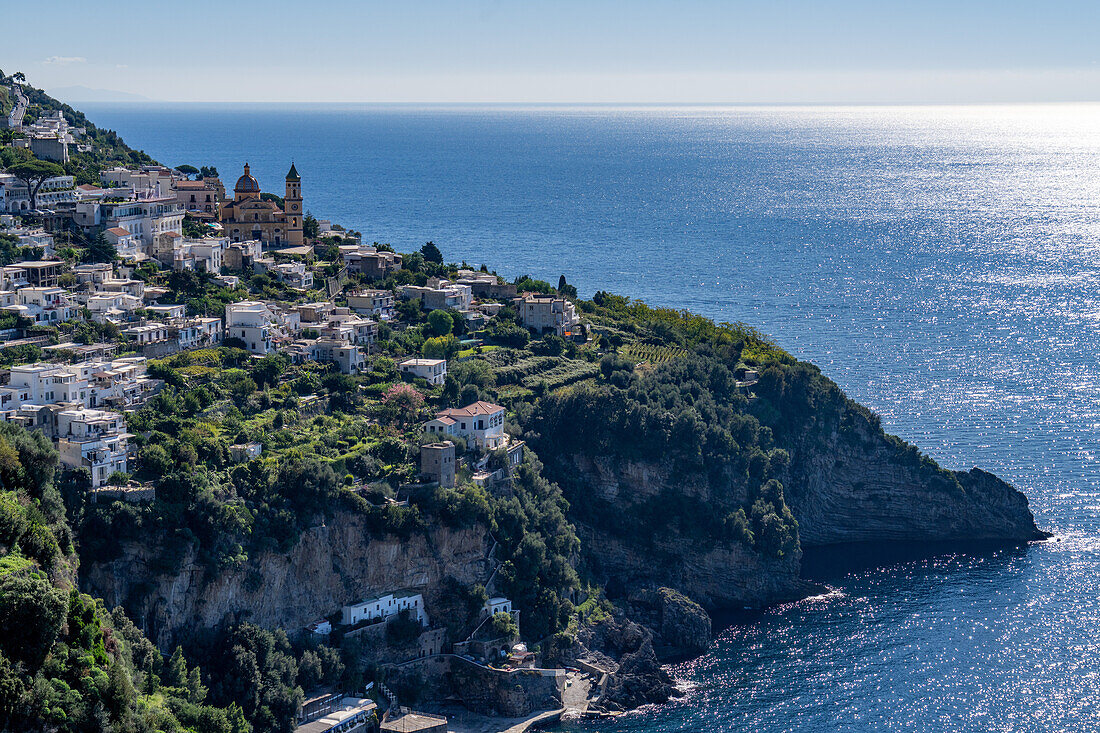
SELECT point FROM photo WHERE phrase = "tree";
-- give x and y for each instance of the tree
(310, 227)
(440, 347)
(431, 253)
(401, 403)
(440, 322)
(565, 288)
(100, 250)
(31, 614)
(187, 170)
(208, 171)
(33, 173)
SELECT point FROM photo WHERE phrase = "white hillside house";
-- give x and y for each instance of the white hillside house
(480, 424)
(92, 439)
(253, 323)
(380, 608)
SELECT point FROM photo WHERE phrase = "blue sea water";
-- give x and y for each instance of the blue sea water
(941, 264)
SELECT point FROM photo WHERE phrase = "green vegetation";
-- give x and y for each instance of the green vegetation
(107, 148)
(66, 663)
(652, 353)
(652, 386)
(33, 173)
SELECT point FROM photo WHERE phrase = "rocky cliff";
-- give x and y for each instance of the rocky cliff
(716, 574)
(331, 565)
(677, 480)
(859, 485)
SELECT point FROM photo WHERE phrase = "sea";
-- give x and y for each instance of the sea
(942, 264)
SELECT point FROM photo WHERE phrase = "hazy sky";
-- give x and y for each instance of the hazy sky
(568, 50)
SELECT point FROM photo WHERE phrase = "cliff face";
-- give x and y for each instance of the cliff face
(860, 486)
(715, 574)
(331, 565)
(846, 482)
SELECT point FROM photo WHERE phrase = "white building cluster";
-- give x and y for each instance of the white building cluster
(319, 332)
(66, 402)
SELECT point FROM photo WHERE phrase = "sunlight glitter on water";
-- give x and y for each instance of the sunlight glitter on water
(941, 264)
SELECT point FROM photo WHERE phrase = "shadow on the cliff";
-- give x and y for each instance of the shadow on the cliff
(831, 562)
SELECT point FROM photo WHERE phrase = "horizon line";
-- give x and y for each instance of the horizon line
(673, 105)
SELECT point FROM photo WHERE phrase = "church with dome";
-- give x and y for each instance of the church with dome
(249, 216)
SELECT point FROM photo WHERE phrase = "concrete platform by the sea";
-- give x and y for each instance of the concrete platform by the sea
(461, 720)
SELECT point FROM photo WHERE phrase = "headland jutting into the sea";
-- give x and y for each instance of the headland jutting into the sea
(302, 479)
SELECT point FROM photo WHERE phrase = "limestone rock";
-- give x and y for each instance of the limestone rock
(681, 628)
(332, 564)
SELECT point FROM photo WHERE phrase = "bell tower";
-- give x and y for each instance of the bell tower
(292, 205)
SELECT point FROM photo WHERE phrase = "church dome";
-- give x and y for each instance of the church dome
(246, 183)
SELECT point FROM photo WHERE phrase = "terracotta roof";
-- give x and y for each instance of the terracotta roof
(119, 231)
(89, 187)
(477, 408)
(191, 184)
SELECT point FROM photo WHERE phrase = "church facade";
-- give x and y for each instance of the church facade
(248, 216)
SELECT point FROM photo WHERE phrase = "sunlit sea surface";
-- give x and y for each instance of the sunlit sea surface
(941, 264)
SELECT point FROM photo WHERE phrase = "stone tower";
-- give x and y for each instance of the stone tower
(292, 205)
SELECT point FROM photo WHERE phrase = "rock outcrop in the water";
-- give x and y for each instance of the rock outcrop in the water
(681, 627)
(868, 487)
(624, 649)
(333, 564)
(720, 504)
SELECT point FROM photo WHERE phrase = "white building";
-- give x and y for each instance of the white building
(242, 452)
(42, 384)
(15, 197)
(320, 628)
(95, 272)
(200, 255)
(92, 439)
(369, 261)
(344, 324)
(94, 383)
(147, 333)
(145, 218)
(126, 244)
(440, 294)
(347, 358)
(44, 304)
(168, 311)
(193, 333)
(135, 288)
(495, 605)
(121, 382)
(253, 323)
(113, 307)
(433, 370)
(373, 302)
(481, 424)
(385, 606)
(146, 178)
(294, 274)
(37, 239)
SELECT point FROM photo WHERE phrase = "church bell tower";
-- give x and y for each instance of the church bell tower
(292, 205)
